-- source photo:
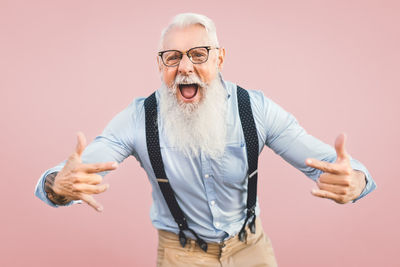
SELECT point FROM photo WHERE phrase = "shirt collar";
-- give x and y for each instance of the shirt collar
(227, 88)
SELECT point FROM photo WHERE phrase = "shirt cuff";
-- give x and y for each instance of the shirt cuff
(370, 183)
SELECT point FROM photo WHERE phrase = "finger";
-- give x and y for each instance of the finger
(324, 166)
(92, 202)
(90, 189)
(97, 167)
(88, 178)
(337, 189)
(81, 144)
(326, 194)
(340, 148)
(335, 179)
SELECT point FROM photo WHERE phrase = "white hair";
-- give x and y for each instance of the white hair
(187, 19)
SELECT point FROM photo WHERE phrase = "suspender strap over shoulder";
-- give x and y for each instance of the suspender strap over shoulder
(154, 151)
(251, 139)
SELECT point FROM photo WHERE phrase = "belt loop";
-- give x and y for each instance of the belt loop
(222, 248)
(192, 245)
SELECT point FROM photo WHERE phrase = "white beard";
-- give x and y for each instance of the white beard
(195, 128)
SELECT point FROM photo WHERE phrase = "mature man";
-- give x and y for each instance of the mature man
(198, 138)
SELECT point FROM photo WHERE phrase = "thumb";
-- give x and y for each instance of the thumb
(340, 147)
(81, 144)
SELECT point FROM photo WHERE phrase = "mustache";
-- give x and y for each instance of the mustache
(188, 79)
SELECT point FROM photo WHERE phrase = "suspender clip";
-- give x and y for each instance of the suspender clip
(182, 238)
(242, 235)
(203, 245)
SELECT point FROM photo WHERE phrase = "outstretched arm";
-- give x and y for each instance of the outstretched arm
(288, 139)
(87, 165)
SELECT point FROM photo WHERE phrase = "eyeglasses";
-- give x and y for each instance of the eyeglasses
(197, 55)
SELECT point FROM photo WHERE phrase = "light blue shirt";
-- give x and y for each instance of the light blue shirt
(212, 193)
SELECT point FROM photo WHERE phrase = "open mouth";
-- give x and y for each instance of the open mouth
(188, 91)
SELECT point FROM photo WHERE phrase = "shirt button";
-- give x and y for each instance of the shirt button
(217, 224)
(206, 176)
(212, 202)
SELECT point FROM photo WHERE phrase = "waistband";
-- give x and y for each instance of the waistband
(169, 239)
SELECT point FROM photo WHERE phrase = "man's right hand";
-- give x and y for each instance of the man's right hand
(78, 181)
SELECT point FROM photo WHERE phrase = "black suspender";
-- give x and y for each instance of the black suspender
(153, 148)
(251, 139)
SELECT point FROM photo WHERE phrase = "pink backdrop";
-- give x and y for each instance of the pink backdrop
(72, 65)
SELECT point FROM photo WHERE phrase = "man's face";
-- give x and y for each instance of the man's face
(183, 39)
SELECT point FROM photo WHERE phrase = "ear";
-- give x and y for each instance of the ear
(159, 63)
(221, 58)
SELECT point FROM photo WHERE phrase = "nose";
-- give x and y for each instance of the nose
(185, 66)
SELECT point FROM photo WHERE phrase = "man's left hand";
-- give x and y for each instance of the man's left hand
(339, 181)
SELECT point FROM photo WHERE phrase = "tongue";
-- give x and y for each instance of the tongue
(188, 91)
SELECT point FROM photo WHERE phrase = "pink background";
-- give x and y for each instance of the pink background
(72, 65)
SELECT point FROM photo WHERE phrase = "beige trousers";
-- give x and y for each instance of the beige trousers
(256, 251)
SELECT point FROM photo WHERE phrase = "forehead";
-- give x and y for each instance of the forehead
(185, 38)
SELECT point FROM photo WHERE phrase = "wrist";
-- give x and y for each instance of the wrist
(51, 195)
(362, 181)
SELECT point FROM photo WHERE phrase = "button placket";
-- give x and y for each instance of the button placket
(209, 184)
(207, 175)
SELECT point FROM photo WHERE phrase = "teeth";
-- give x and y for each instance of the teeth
(190, 84)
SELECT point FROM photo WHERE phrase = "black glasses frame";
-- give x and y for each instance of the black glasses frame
(161, 53)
